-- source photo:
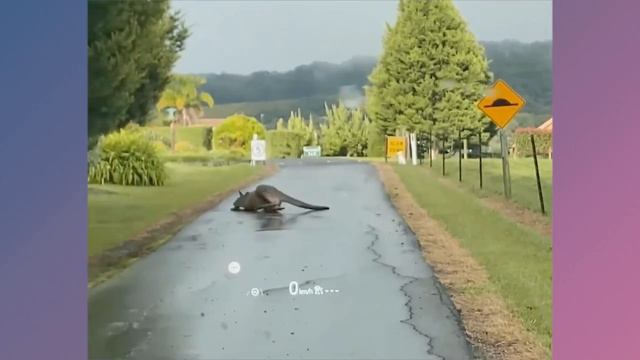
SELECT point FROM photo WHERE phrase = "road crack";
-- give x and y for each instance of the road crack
(372, 231)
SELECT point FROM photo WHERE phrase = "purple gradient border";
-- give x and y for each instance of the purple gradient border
(596, 250)
(43, 281)
(43, 185)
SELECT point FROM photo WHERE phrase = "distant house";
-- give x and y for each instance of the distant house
(547, 125)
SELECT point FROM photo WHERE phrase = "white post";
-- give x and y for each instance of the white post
(253, 160)
(414, 148)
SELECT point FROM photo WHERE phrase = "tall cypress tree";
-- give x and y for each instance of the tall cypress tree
(431, 73)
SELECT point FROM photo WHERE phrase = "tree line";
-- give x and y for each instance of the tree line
(525, 66)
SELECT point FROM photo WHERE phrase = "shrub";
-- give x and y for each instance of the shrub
(192, 135)
(154, 137)
(207, 137)
(375, 141)
(185, 147)
(236, 132)
(126, 158)
(160, 146)
(214, 158)
(522, 141)
(285, 143)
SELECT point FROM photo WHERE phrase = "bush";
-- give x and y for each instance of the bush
(207, 137)
(126, 158)
(214, 158)
(192, 135)
(185, 147)
(236, 132)
(160, 146)
(285, 143)
(522, 141)
(375, 141)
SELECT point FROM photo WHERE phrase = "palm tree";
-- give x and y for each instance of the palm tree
(182, 94)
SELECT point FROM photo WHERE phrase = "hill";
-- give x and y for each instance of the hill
(525, 66)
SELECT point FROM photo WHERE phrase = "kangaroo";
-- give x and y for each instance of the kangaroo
(268, 199)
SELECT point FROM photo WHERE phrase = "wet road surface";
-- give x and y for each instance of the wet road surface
(363, 289)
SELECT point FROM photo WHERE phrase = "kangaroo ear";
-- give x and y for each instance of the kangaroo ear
(240, 192)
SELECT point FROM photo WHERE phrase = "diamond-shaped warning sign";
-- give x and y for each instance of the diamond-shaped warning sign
(501, 104)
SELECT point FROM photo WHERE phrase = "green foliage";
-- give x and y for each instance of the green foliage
(160, 147)
(522, 140)
(236, 132)
(375, 141)
(285, 143)
(132, 46)
(431, 73)
(126, 158)
(297, 123)
(216, 157)
(207, 137)
(185, 147)
(182, 94)
(345, 133)
(192, 135)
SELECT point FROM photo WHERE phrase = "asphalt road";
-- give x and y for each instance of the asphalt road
(379, 299)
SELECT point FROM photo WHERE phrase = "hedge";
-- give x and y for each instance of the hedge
(522, 141)
(285, 143)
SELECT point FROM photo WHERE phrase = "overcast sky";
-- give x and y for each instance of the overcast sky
(242, 36)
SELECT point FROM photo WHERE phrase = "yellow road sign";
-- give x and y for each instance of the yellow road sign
(395, 144)
(501, 104)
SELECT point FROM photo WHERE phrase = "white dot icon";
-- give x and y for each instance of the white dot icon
(234, 267)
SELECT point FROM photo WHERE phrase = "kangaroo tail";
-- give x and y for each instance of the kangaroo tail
(293, 201)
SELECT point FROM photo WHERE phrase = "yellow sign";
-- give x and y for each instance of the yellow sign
(501, 104)
(395, 144)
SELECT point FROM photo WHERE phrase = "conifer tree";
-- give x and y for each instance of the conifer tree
(431, 73)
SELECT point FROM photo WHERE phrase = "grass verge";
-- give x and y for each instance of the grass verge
(128, 222)
(524, 188)
(517, 259)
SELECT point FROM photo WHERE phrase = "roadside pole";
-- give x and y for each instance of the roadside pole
(506, 175)
(535, 161)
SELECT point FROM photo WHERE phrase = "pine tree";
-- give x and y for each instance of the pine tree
(431, 73)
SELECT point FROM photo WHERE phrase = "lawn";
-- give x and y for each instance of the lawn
(524, 189)
(116, 213)
(518, 260)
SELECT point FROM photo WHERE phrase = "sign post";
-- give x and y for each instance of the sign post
(501, 104)
(396, 145)
(311, 151)
(258, 150)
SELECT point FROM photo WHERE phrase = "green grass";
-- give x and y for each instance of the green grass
(116, 213)
(524, 189)
(193, 135)
(517, 259)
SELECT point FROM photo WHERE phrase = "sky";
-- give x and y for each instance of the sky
(243, 36)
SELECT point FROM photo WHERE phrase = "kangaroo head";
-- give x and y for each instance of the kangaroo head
(241, 200)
